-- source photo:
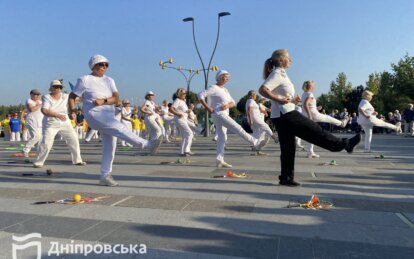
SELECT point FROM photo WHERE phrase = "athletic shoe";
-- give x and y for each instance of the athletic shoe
(275, 137)
(190, 153)
(81, 164)
(26, 154)
(260, 153)
(313, 155)
(289, 183)
(344, 122)
(37, 166)
(223, 164)
(259, 144)
(352, 142)
(108, 181)
(154, 145)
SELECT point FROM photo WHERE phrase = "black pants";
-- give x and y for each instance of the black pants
(294, 124)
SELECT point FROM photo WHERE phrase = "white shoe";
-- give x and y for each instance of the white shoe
(108, 181)
(154, 145)
(259, 144)
(300, 146)
(275, 137)
(223, 164)
(81, 163)
(313, 155)
(344, 122)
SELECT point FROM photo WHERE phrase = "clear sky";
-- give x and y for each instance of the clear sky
(48, 39)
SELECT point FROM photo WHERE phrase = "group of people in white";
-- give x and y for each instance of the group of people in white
(105, 113)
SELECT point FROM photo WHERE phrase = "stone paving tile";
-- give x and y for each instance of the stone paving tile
(164, 203)
(9, 219)
(220, 206)
(374, 205)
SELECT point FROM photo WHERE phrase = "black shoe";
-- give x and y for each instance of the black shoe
(352, 142)
(290, 183)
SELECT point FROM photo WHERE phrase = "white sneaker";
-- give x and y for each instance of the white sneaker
(313, 155)
(260, 143)
(223, 164)
(108, 181)
(344, 122)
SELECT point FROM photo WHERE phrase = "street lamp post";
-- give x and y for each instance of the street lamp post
(206, 70)
(188, 77)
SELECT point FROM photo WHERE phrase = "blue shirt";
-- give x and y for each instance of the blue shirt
(15, 124)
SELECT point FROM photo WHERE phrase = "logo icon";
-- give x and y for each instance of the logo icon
(37, 244)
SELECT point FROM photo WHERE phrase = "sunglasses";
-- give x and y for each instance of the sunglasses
(57, 86)
(103, 64)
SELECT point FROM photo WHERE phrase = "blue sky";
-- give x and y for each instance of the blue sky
(46, 40)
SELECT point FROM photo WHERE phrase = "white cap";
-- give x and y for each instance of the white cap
(97, 59)
(150, 93)
(56, 82)
(220, 73)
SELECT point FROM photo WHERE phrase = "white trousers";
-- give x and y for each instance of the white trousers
(92, 134)
(319, 117)
(168, 124)
(15, 136)
(25, 135)
(193, 127)
(65, 130)
(111, 129)
(367, 125)
(128, 125)
(186, 134)
(35, 137)
(222, 121)
(261, 130)
(79, 131)
(155, 130)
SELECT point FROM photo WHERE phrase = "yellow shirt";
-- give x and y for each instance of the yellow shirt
(85, 126)
(143, 127)
(6, 126)
(73, 123)
(136, 124)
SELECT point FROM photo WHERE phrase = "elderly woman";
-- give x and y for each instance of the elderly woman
(168, 119)
(99, 94)
(56, 120)
(289, 122)
(126, 114)
(368, 119)
(310, 111)
(255, 118)
(152, 118)
(221, 102)
(180, 110)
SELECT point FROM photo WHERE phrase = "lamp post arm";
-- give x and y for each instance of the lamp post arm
(215, 46)
(199, 56)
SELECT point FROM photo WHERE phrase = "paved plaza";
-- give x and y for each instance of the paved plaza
(178, 210)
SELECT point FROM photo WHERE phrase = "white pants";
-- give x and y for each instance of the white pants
(128, 125)
(193, 127)
(261, 130)
(367, 125)
(35, 137)
(319, 117)
(222, 121)
(186, 134)
(155, 130)
(25, 135)
(15, 136)
(111, 129)
(79, 131)
(92, 134)
(409, 128)
(65, 130)
(168, 123)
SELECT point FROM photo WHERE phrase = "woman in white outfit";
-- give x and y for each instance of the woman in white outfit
(34, 120)
(180, 110)
(367, 119)
(152, 118)
(168, 119)
(310, 111)
(56, 120)
(126, 114)
(221, 102)
(99, 94)
(255, 118)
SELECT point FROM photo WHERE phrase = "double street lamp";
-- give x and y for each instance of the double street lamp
(206, 70)
(188, 73)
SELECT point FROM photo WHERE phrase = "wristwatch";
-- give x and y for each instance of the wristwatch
(105, 100)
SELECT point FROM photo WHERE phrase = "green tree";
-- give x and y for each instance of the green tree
(404, 77)
(373, 83)
(339, 89)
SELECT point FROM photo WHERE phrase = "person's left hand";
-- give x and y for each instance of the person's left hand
(99, 102)
(297, 99)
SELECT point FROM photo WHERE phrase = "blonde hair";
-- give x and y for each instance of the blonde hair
(367, 93)
(274, 61)
(251, 93)
(307, 84)
(179, 90)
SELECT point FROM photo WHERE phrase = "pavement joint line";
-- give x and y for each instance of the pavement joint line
(121, 201)
(405, 219)
(94, 225)
(187, 205)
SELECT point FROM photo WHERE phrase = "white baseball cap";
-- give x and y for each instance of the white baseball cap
(220, 73)
(150, 93)
(97, 59)
(56, 82)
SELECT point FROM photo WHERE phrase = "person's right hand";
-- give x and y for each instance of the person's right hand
(61, 117)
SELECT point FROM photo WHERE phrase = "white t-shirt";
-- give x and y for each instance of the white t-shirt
(59, 106)
(312, 104)
(126, 114)
(368, 109)
(91, 87)
(149, 107)
(219, 96)
(35, 118)
(255, 109)
(181, 107)
(263, 108)
(279, 84)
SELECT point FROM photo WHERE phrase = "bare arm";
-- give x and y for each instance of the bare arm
(50, 113)
(175, 112)
(362, 112)
(307, 104)
(249, 115)
(205, 104)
